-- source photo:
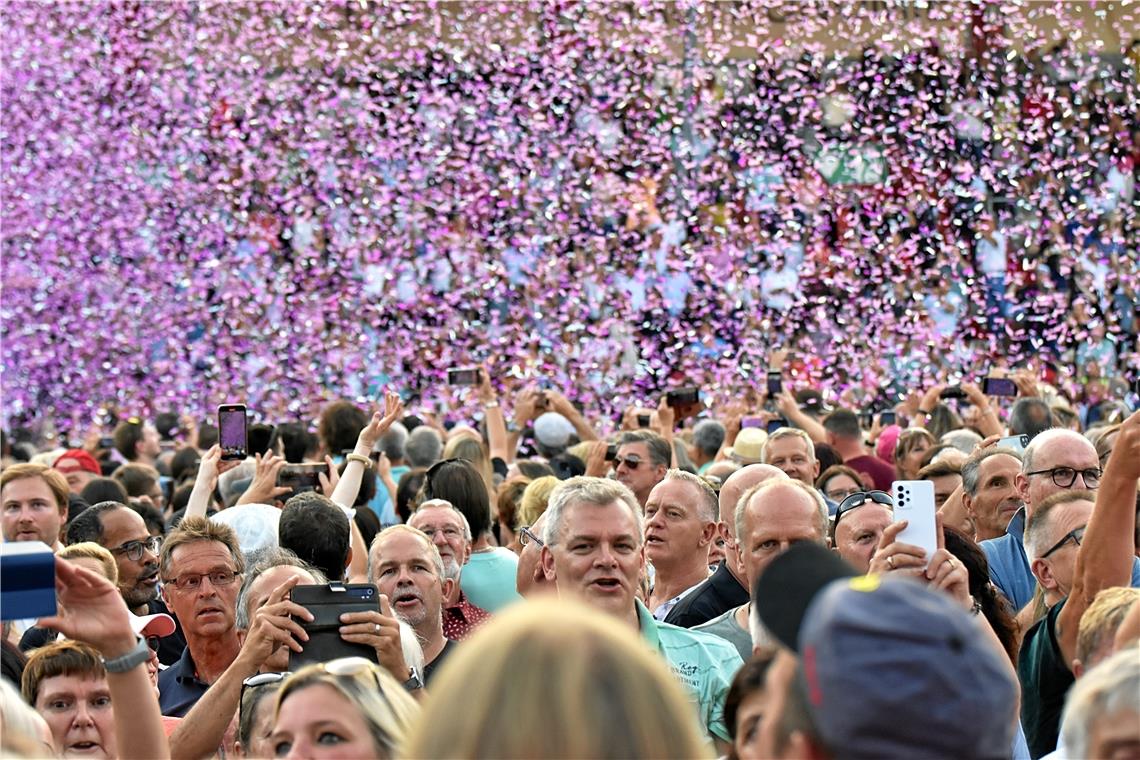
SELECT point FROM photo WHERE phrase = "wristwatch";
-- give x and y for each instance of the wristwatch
(414, 681)
(130, 660)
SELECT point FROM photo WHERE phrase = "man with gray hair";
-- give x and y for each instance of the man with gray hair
(1056, 460)
(770, 518)
(1030, 416)
(390, 446)
(449, 530)
(724, 590)
(594, 550)
(1102, 712)
(423, 447)
(708, 437)
(681, 517)
(989, 490)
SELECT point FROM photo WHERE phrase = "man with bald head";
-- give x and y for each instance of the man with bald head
(1056, 460)
(725, 589)
(770, 518)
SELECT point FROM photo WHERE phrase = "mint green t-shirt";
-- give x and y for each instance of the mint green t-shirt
(488, 579)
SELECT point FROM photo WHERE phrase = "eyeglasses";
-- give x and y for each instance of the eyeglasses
(1076, 536)
(450, 532)
(1064, 477)
(841, 493)
(526, 536)
(856, 500)
(134, 549)
(191, 582)
(631, 462)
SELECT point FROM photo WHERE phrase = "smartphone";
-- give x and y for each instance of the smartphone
(106, 442)
(1015, 442)
(683, 396)
(233, 431)
(643, 420)
(776, 424)
(301, 477)
(999, 386)
(953, 391)
(463, 376)
(751, 422)
(327, 603)
(611, 452)
(914, 502)
(775, 383)
(886, 418)
(28, 569)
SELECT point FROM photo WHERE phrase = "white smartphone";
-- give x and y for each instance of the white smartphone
(1015, 442)
(914, 502)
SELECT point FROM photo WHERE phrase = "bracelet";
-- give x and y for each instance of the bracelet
(492, 405)
(354, 457)
(130, 660)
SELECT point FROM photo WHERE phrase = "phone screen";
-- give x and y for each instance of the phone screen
(999, 386)
(751, 422)
(463, 376)
(776, 424)
(775, 383)
(301, 477)
(232, 431)
(886, 418)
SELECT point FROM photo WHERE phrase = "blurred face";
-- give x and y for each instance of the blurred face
(31, 512)
(748, 717)
(78, 711)
(76, 476)
(529, 576)
(675, 532)
(777, 681)
(944, 486)
(858, 533)
(793, 457)
(839, 487)
(997, 499)
(259, 591)
(911, 460)
(318, 722)
(404, 569)
(1055, 572)
(598, 556)
(634, 469)
(1116, 735)
(444, 526)
(150, 445)
(774, 520)
(138, 579)
(208, 610)
(1074, 452)
(261, 727)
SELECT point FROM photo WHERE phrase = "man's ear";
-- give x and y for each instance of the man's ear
(1043, 573)
(737, 559)
(708, 533)
(546, 559)
(466, 553)
(1022, 484)
(447, 586)
(1078, 668)
(968, 505)
(815, 470)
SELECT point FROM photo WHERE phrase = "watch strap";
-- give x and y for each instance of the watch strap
(414, 682)
(130, 660)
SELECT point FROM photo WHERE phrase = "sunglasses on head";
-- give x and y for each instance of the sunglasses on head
(856, 500)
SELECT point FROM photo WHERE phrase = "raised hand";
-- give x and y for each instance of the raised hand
(263, 489)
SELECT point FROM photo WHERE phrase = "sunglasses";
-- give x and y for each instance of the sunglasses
(256, 682)
(632, 462)
(856, 500)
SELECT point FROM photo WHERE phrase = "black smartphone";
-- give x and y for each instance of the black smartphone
(463, 376)
(611, 452)
(300, 477)
(233, 431)
(683, 396)
(953, 391)
(776, 424)
(643, 420)
(999, 386)
(775, 383)
(751, 422)
(327, 603)
(106, 442)
(886, 418)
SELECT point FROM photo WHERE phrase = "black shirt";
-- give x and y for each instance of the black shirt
(1045, 680)
(448, 648)
(715, 596)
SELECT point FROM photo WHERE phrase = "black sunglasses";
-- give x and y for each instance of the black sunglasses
(856, 500)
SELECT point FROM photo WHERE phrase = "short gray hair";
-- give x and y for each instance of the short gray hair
(759, 488)
(1048, 436)
(270, 558)
(787, 432)
(709, 506)
(423, 447)
(1111, 686)
(708, 437)
(443, 504)
(972, 467)
(581, 489)
(963, 439)
(393, 441)
(1037, 525)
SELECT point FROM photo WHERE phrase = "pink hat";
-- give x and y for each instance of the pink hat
(885, 447)
(159, 624)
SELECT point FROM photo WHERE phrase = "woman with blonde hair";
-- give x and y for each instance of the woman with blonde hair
(556, 679)
(343, 708)
(909, 448)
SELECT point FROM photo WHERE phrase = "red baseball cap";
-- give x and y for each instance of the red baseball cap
(82, 459)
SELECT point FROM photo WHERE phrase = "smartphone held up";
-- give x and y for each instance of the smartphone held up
(233, 431)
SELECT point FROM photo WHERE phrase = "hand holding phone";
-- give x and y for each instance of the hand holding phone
(233, 431)
(300, 478)
(914, 502)
(464, 376)
(325, 604)
(775, 383)
(999, 386)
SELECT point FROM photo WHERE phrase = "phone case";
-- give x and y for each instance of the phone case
(327, 603)
(914, 502)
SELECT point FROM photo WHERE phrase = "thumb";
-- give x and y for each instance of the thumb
(385, 607)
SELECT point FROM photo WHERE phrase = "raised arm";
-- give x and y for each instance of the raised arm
(562, 405)
(988, 422)
(496, 425)
(209, 468)
(1106, 554)
(787, 405)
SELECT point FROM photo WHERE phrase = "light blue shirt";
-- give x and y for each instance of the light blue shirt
(488, 579)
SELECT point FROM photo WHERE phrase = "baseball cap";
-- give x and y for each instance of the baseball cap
(747, 447)
(158, 624)
(891, 668)
(553, 430)
(82, 461)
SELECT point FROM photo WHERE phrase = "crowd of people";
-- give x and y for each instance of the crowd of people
(707, 580)
(581, 210)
